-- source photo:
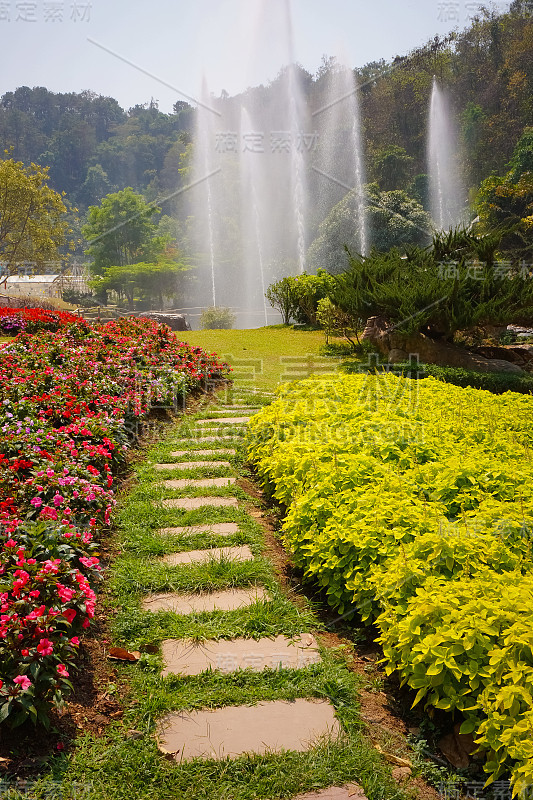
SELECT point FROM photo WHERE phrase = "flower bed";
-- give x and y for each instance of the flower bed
(412, 503)
(15, 320)
(70, 400)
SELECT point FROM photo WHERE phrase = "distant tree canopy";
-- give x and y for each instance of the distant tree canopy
(90, 143)
(33, 224)
(144, 281)
(94, 148)
(393, 218)
(121, 231)
(508, 201)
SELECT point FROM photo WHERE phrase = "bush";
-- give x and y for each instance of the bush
(72, 400)
(411, 503)
(495, 382)
(298, 297)
(336, 322)
(281, 295)
(217, 318)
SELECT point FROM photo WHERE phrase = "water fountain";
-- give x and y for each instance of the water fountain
(252, 220)
(341, 150)
(446, 193)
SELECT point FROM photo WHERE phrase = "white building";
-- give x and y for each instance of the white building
(38, 286)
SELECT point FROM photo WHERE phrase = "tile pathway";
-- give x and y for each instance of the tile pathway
(193, 465)
(234, 730)
(228, 732)
(214, 553)
(217, 528)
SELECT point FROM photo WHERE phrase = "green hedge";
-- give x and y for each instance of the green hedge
(495, 382)
(411, 503)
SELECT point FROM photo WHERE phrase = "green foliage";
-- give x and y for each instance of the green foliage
(336, 322)
(298, 296)
(217, 318)
(120, 231)
(392, 167)
(281, 295)
(411, 503)
(32, 215)
(308, 290)
(452, 286)
(468, 645)
(394, 219)
(149, 281)
(508, 200)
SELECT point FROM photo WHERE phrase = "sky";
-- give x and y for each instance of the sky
(137, 50)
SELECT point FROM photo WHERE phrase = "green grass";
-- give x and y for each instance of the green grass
(121, 766)
(263, 357)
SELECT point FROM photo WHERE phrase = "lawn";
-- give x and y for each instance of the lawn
(264, 357)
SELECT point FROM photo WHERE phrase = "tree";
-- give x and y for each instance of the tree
(392, 167)
(453, 286)
(508, 200)
(32, 215)
(142, 280)
(95, 186)
(336, 322)
(120, 231)
(281, 295)
(393, 218)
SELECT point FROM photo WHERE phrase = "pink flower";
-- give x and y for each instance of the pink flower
(45, 647)
(65, 593)
(62, 670)
(23, 682)
(58, 499)
(37, 502)
(75, 641)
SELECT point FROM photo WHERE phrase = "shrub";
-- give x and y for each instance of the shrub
(411, 503)
(217, 318)
(336, 322)
(281, 295)
(71, 401)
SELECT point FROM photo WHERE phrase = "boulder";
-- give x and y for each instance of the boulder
(395, 345)
(176, 322)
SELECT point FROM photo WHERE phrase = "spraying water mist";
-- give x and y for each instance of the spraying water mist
(254, 221)
(446, 192)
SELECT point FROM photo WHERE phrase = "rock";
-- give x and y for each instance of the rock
(399, 773)
(397, 356)
(528, 348)
(458, 747)
(498, 365)
(433, 351)
(176, 322)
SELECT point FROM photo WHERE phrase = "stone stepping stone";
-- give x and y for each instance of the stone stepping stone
(193, 465)
(192, 503)
(185, 657)
(218, 529)
(214, 554)
(202, 483)
(217, 438)
(349, 792)
(234, 730)
(214, 453)
(240, 408)
(224, 600)
(223, 421)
